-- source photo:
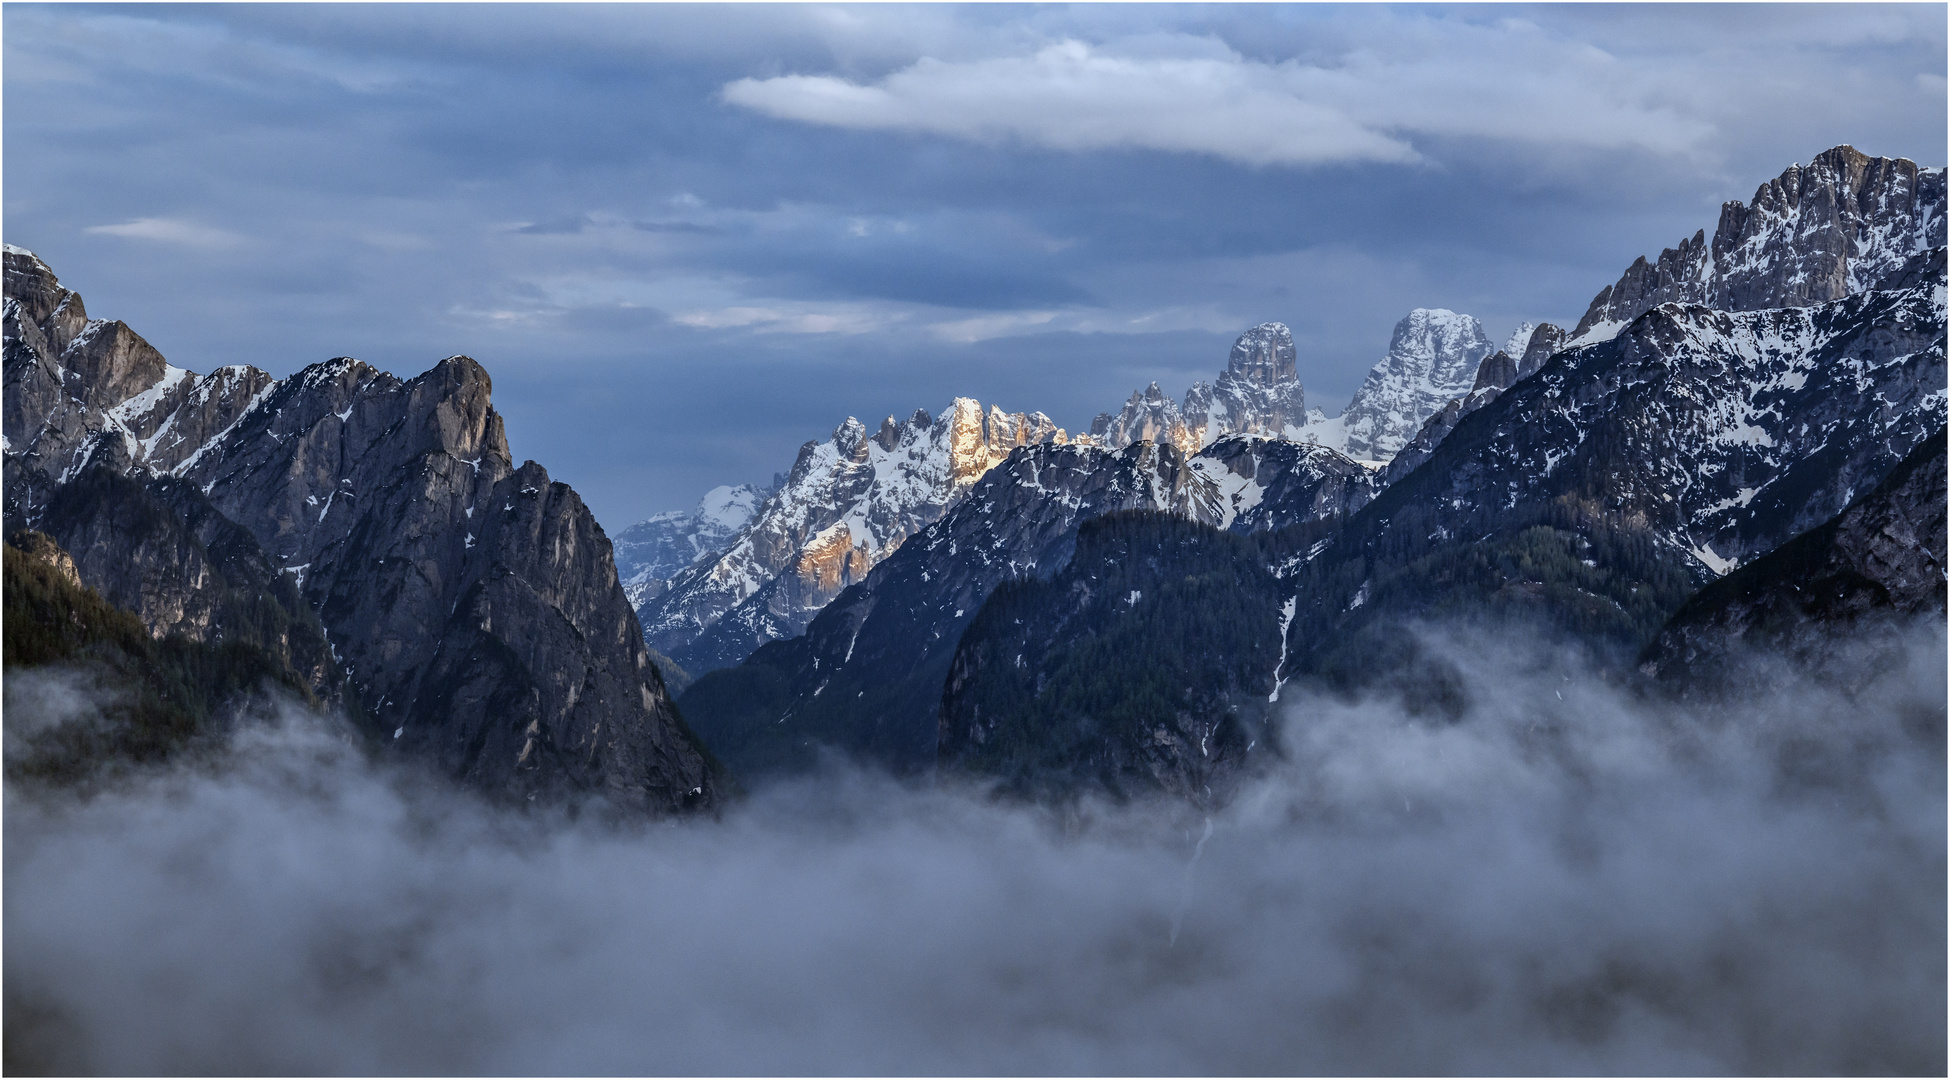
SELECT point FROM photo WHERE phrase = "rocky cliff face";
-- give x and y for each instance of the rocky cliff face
(472, 606)
(1498, 372)
(1844, 224)
(1432, 358)
(849, 502)
(156, 547)
(1149, 416)
(1260, 484)
(1828, 601)
(69, 379)
(1259, 393)
(1546, 341)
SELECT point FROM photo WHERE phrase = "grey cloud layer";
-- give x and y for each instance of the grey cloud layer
(1565, 880)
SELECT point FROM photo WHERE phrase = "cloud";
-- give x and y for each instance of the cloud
(169, 231)
(561, 226)
(983, 327)
(1512, 82)
(776, 321)
(1566, 878)
(1070, 96)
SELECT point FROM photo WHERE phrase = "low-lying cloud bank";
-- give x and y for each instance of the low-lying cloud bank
(1568, 879)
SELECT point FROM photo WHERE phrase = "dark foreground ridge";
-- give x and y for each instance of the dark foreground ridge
(1833, 601)
(157, 697)
(373, 534)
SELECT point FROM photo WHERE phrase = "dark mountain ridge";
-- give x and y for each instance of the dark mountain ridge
(1149, 664)
(471, 607)
(1857, 579)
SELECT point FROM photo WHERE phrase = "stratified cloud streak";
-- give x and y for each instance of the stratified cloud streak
(169, 231)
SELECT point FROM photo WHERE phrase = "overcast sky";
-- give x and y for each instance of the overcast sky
(684, 240)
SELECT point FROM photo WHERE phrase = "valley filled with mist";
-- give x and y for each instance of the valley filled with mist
(1567, 877)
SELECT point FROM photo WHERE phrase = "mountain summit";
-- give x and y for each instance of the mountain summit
(1432, 357)
(471, 606)
(1843, 224)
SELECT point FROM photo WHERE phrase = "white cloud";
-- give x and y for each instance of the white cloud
(1070, 96)
(1511, 81)
(766, 320)
(169, 231)
(983, 327)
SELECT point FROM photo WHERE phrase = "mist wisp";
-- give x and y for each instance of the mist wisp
(1566, 878)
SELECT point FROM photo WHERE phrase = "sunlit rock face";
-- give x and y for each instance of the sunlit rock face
(472, 605)
(790, 560)
(849, 501)
(1844, 224)
(1149, 416)
(1432, 358)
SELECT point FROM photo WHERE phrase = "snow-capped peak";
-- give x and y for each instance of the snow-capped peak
(1432, 358)
(1259, 393)
(848, 502)
(728, 508)
(1519, 340)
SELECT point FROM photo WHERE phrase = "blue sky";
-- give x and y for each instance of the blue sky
(685, 239)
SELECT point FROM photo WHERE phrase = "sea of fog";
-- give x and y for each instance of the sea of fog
(1567, 878)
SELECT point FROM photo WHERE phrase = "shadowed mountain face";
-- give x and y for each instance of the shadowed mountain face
(866, 677)
(1596, 495)
(1149, 664)
(1587, 502)
(1835, 599)
(471, 606)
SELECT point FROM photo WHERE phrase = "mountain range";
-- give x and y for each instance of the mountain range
(1590, 486)
(979, 591)
(849, 502)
